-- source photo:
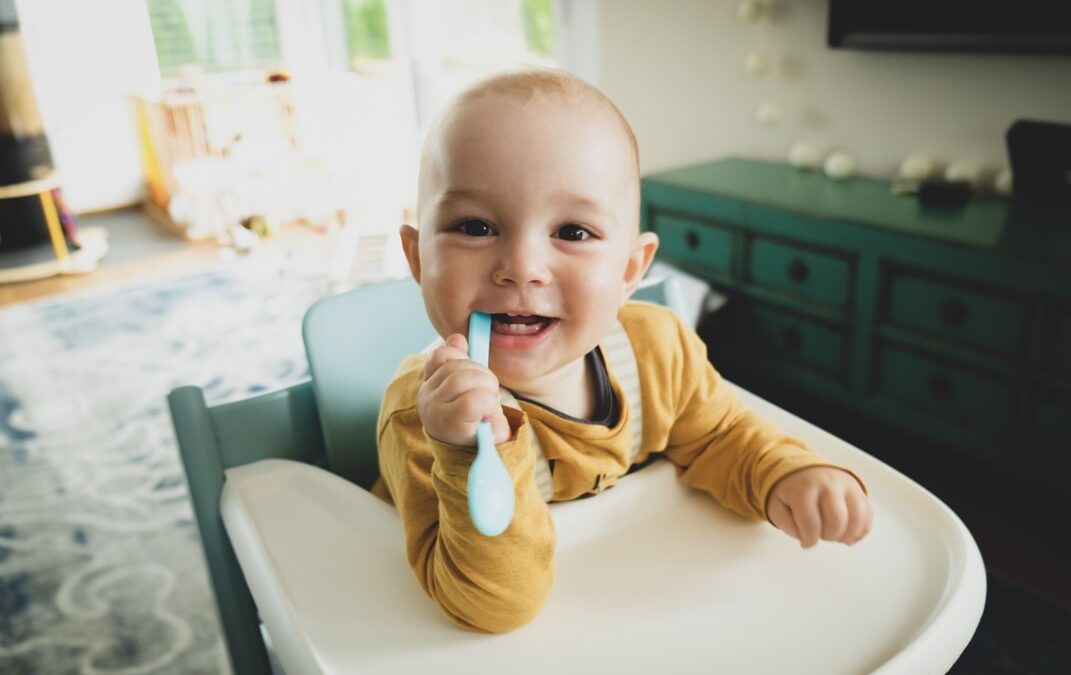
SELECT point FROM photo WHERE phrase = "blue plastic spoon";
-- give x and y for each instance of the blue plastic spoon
(491, 497)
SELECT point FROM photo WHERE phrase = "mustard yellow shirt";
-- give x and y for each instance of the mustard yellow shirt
(690, 416)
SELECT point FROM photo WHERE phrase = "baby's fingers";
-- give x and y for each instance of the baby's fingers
(781, 517)
(500, 427)
(861, 516)
(835, 516)
(455, 349)
(808, 520)
(799, 519)
(462, 375)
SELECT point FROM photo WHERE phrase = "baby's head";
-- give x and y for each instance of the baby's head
(528, 209)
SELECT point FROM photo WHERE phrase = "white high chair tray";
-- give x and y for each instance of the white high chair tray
(651, 577)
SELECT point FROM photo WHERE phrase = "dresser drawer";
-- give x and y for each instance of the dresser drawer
(770, 333)
(822, 277)
(945, 390)
(967, 315)
(695, 241)
(1060, 344)
(1048, 427)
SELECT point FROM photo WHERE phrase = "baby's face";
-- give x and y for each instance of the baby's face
(530, 216)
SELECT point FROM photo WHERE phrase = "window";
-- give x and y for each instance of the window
(539, 26)
(452, 43)
(367, 36)
(215, 35)
(367, 30)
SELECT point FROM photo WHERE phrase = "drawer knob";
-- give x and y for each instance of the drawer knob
(691, 238)
(940, 387)
(798, 271)
(953, 312)
(792, 338)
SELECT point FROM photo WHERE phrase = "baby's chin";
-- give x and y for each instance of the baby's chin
(517, 381)
(518, 370)
(526, 379)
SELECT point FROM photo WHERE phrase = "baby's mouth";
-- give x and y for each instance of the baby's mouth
(520, 324)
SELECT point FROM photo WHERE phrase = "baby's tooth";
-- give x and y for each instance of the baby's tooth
(520, 328)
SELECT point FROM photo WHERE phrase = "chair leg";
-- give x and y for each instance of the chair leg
(204, 474)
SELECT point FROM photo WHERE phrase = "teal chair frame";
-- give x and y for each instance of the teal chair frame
(328, 420)
(213, 439)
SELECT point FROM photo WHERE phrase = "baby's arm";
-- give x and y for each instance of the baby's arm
(752, 467)
(492, 584)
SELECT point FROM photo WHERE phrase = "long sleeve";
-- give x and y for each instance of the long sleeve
(492, 584)
(721, 447)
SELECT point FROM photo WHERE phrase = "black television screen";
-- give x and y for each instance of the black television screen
(1038, 26)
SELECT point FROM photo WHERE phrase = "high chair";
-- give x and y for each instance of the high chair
(651, 576)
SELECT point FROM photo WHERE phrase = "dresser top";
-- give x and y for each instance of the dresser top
(990, 223)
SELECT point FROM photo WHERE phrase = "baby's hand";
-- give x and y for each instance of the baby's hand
(820, 502)
(457, 394)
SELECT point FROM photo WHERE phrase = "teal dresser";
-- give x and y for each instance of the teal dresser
(953, 325)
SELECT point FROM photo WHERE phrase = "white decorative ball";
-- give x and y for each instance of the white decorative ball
(805, 155)
(917, 168)
(840, 165)
(769, 114)
(757, 64)
(750, 11)
(1003, 184)
(969, 172)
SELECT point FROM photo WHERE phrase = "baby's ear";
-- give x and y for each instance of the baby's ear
(410, 246)
(639, 259)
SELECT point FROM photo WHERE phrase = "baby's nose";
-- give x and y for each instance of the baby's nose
(522, 264)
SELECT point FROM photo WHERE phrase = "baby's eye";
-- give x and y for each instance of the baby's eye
(475, 228)
(573, 233)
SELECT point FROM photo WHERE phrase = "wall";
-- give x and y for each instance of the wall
(86, 58)
(676, 70)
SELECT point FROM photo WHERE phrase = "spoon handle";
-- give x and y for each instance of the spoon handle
(490, 488)
(479, 338)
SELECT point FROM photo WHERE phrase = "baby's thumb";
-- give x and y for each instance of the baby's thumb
(500, 428)
(458, 341)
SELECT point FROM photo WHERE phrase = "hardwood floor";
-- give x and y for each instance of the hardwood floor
(130, 258)
(155, 266)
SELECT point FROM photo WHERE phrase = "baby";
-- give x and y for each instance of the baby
(528, 209)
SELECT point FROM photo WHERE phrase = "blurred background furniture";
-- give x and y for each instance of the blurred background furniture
(37, 231)
(224, 150)
(952, 324)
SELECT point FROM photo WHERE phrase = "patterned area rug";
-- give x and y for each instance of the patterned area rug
(101, 569)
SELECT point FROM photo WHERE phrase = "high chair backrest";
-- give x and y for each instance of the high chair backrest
(663, 290)
(354, 342)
